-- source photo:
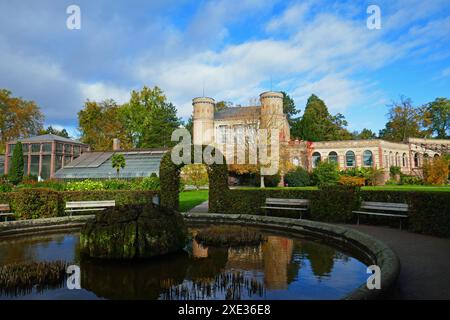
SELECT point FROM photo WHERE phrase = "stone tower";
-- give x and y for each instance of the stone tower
(203, 130)
(272, 116)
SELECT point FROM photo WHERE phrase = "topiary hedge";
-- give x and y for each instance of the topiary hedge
(169, 174)
(429, 211)
(47, 203)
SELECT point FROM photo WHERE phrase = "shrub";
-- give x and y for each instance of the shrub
(5, 186)
(326, 174)
(85, 185)
(394, 171)
(352, 181)
(334, 203)
(272, 181)
(435, 171)
(37, 203)
(48, 184)
(297, 178)
(16, 169)
(406, 179)
(122, 197)
(149, 183)
(116, 184)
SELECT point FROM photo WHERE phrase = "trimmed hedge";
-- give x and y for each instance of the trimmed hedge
(169, 174)
(429, 211)
(46, 203)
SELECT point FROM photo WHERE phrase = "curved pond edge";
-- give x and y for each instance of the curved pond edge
(39, 226)
(372, 249)
(375, 251)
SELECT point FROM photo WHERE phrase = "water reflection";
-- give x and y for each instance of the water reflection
(280, 267)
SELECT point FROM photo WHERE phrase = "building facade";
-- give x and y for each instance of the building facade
(44, 155)
(216, 127)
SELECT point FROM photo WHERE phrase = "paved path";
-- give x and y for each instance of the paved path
(425, 262)
(201, 208)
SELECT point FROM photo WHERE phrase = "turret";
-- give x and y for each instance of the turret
(203, 120)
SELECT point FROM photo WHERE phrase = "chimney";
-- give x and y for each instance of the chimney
(116, 144)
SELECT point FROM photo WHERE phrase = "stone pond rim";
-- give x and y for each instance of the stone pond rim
(133, 232)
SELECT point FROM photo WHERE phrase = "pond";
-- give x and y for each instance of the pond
(281, 267)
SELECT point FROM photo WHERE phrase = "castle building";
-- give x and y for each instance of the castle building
(216, 127)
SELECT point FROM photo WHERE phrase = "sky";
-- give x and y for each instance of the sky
(231, 50)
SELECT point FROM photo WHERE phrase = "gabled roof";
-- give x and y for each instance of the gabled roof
(46, 138)
(238, 113)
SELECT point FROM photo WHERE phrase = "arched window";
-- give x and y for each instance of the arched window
(333, 157)
(391, 159)
(386, 160)
(436, 156)
(296, 161)
(316, 159)
(350, 159)
(397, 162)
(368, 158)
(405, 160)
(416, 160)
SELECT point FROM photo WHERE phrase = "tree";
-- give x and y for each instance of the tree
(317, 124)
(51, 130)
(16, 168)
(101, 122)
(18, 118)
(195, 174)
(222, 105)
(436, 118)
(290, 110)
(189, 125)
(118, 162)
(149, 119)
(365, 134)
(404, 122)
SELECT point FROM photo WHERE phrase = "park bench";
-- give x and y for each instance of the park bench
(286, 204)
(383, 209)
(5, 211)
(82, 206)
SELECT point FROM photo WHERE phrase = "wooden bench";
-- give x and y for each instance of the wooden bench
(82, 206)
(287, 204)
(5, 211)
(384, 209)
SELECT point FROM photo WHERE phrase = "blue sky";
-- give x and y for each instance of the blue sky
(233, 48)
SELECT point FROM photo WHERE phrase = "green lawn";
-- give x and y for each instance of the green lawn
(190, 199)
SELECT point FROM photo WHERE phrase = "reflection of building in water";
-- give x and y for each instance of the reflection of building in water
(277, 256)
(273, 257)
(199, 251)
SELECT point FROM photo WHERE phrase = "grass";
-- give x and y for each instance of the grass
(190, 199)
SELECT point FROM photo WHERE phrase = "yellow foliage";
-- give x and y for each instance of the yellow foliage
(352, 181)
(436, 170)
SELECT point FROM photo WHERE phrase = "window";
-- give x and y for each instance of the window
(405, 160)
(221, 134)
(67, 160)
(397, 160)
(59, 162)
(47, 147)
(315, 159)
(296, 161)
(45, 170)
(11, 148)
(368, 158)
(36, 147)
(391, 159)
(333, 157)
(416, 160)
(239, 135)
(59, 147)
(350, 159)
(25, 165)
(34, 167)
(25, 148)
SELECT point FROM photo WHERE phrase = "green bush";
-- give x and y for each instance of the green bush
(326, 174)
(122, 197)
(394, 171)
(297, 178)
(272, 181)
(85, 185)
(410, 180)
(148, 183)
(5, 186)
(37, 204)
(48, 184)
(116, 184)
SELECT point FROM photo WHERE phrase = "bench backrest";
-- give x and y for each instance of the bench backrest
(4, 207)
(90, 204)
(390, 206)
(287, 202)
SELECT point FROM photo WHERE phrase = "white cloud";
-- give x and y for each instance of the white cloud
(100, 91)
(292, 16)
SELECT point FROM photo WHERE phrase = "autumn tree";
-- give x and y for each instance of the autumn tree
(436, 118)
(404, 122)
(195, 175)
(222, 105)
(19, 118)
(99, 123)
